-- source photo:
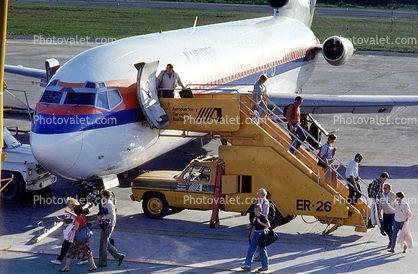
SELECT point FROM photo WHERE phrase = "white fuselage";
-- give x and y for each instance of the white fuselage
(87, 141)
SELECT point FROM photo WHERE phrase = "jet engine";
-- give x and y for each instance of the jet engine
(337, 50)
(276, 4)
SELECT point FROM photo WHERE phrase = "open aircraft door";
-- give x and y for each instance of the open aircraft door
(148, 95)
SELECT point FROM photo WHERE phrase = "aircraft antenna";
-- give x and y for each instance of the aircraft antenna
(194, 25)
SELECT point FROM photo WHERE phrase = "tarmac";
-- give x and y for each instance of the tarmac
(183, 242)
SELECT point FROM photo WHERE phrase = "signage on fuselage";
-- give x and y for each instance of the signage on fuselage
(200, 54)
(202, 114)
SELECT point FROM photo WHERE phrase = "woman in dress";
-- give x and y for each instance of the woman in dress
(78, 250)
(402, 216)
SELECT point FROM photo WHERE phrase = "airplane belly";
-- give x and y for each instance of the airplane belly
(114, 150)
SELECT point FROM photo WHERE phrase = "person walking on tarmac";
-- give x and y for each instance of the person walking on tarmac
(108, 213)
(265, 206)
(387, 201)
(168, 80)
(293, 120)
(69, 219)
(352, 177)
(402, 216)
(260, 223)
(375, 191)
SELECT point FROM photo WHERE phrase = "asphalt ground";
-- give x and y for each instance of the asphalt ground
(162, 5)
(183, 242)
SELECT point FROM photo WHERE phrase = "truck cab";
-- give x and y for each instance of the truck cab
(191, 188)
(28, 174)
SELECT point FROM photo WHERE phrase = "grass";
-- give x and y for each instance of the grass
(46, 20)
(367, 34)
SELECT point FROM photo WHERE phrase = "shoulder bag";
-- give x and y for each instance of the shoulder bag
(83, 235)
(267, 238)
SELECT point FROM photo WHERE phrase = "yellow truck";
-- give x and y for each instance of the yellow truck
(194, 188)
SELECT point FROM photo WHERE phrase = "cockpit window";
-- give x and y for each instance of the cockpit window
(108, 99)
(51, 97)
(78, 98)
(114, 97)
(102, 100)
(53, 83)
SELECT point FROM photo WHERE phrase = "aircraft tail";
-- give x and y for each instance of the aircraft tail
(302, 10)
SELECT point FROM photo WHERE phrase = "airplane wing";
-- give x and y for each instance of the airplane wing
(29, 72)
(356, 104)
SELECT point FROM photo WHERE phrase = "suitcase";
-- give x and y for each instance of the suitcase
(186, 93)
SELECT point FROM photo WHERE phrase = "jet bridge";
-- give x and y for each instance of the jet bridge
(257, 150)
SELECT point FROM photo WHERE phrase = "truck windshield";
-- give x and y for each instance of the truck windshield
(9, 140)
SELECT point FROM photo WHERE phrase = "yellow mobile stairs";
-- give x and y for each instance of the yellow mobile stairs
(294, 181)
(259, 149)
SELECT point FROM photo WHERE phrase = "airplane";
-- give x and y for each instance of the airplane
(90, 125)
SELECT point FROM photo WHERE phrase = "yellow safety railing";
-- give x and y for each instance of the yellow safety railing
(5, 250)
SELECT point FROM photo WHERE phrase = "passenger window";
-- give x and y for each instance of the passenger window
(102, 100)
(114, 97)
(51, 97)
(76, 98)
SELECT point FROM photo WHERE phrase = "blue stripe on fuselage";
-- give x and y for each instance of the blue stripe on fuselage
(56, 124)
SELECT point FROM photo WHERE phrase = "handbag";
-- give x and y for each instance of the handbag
(321, 163)
(267, 238)
(83, 235)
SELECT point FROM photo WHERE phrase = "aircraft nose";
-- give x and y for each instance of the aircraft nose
(55, 150)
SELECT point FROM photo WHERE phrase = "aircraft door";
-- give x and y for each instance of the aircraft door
(148, 95)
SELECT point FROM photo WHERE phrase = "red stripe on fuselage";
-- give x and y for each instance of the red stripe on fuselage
(127, 88)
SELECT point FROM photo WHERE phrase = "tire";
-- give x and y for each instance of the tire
(175, 209)
(15, 191)
(155, 205)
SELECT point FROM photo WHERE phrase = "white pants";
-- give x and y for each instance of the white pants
(374, 217)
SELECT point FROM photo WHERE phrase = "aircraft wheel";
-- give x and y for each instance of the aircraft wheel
(155, 205)
(83, 196)
(15, 190)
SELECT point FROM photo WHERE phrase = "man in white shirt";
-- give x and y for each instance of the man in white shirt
(110, 214)
(387, 204)
(262, 200)
(168, 80)
(352, 177)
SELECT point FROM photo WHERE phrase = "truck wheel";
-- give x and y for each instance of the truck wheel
(175, 209)
(155, 205)
(15, 190)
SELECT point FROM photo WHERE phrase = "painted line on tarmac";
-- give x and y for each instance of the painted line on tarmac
(149, 261)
